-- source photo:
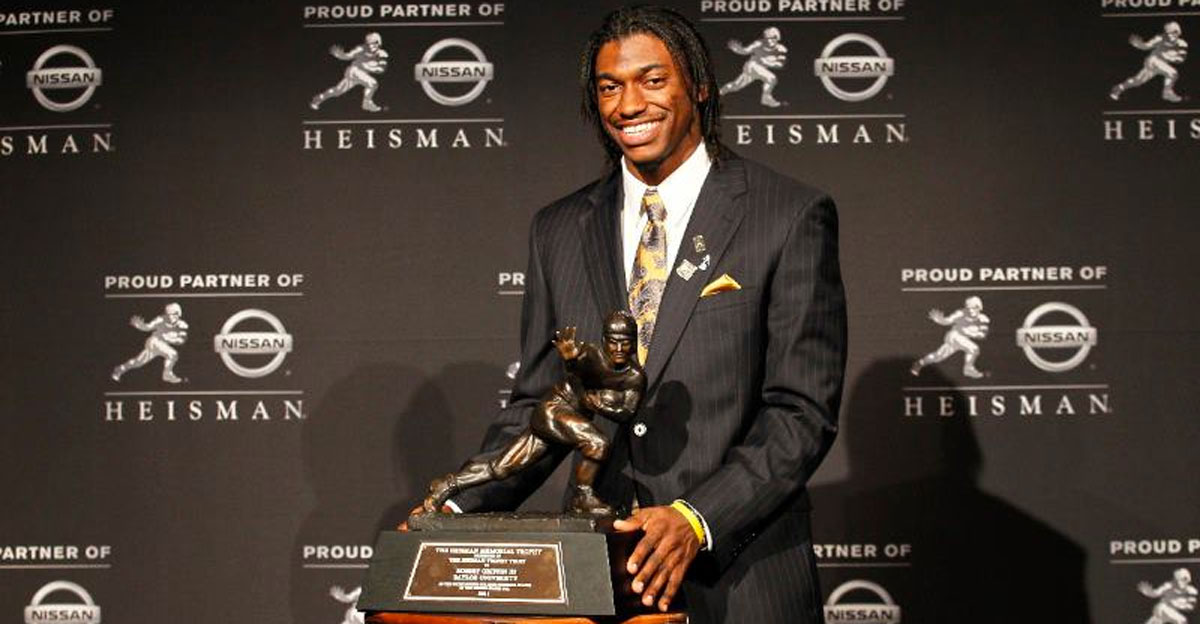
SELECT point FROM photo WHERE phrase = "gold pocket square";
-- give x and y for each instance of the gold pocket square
(720, 285)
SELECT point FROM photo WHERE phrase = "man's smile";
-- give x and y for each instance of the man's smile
(640, 133)
(640, 129)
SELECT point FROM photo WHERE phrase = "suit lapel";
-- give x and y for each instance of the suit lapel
(602, 245)
(716, 217)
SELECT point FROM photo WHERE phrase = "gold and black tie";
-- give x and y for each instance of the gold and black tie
(649, 271)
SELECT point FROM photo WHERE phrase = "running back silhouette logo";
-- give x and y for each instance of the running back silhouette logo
(167, 331)
(366, 61)
(967, 324)
(1164, 50)
(1175, 597)
(352, 614)
(765, 53)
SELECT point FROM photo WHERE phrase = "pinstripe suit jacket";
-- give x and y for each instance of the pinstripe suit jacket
(744, 385)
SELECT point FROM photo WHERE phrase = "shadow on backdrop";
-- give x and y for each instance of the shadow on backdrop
(357, 457)
(464, 400)
(916, 480)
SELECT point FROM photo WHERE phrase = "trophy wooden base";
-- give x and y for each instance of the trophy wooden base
(426, 618)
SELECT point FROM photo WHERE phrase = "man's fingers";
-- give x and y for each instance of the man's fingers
(672, 586)
(646, 574)
(660, 578)
(632, 523)
(661, 558)
(645, 547)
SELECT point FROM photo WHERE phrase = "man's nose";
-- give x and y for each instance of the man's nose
(632, 102)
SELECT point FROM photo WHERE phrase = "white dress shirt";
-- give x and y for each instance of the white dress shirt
(678, 193)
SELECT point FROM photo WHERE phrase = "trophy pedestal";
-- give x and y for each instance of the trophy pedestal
(503, 565)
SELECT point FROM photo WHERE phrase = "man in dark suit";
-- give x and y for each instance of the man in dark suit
(732, 272)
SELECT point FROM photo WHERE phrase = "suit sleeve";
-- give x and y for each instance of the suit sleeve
(540, 367)
(805, 358)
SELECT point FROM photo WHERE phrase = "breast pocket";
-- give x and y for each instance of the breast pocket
(725, 300)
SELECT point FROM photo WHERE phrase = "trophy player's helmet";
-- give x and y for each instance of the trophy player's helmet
(974, 303)
(771, 33)
(1172, 28)
(374, 39)
(1183, 576)
(620, 323)
(173, 309)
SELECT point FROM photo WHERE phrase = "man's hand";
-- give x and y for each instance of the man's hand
(663, 555)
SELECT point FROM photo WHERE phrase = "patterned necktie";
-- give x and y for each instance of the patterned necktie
(649, 271)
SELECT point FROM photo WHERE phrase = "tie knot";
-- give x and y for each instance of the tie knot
(653, 206)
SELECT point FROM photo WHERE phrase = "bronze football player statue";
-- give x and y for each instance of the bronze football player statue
(607, 381)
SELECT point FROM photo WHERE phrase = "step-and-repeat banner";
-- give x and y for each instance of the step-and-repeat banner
(265, 261)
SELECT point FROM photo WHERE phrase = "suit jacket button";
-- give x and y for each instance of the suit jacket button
(639, 429)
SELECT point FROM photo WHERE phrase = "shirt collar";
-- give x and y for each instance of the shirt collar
(678, 191)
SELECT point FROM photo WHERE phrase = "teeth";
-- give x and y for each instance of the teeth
(641, 128)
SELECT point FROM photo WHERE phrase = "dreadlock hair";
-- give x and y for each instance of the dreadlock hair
(687, 49)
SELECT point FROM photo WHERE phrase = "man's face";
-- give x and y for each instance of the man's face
(644, 105)
(619, 348)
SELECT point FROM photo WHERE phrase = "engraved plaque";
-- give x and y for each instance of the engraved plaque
(513, 572)
(508, 564)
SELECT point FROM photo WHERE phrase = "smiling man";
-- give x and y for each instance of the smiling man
(731, 271)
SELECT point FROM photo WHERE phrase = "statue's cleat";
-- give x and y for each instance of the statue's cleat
(585, 501)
